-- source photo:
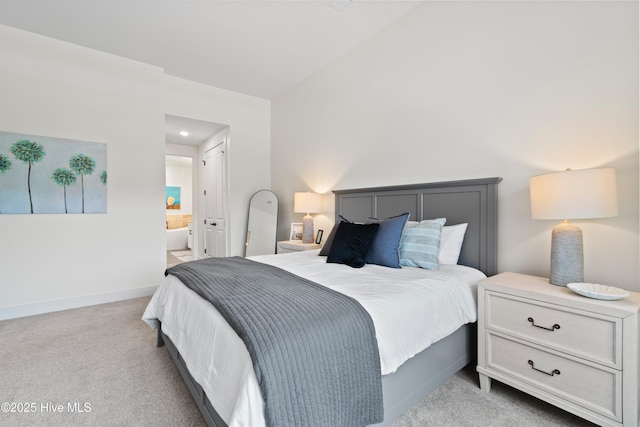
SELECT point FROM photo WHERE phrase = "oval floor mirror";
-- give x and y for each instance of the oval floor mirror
(262, 223)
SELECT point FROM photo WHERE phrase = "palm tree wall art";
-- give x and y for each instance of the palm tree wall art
(64, 177)
(34, 168)
(5, 165)
(29, 152)
(82, 165)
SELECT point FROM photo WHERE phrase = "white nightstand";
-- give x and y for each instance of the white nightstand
(285, 246)
(577, 353)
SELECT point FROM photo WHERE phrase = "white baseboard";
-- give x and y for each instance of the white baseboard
(74, 302)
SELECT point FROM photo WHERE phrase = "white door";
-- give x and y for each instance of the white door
(215, 205)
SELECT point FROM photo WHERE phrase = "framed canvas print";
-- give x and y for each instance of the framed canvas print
(296, 231)
(172, 198)
(46, 175)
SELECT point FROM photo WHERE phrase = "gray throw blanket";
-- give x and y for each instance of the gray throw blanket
(313, 349)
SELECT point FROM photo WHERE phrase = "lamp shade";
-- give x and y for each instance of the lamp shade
(574, 194)
(307, 203)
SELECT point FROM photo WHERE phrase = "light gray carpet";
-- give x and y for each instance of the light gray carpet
(106, 356)
(103, 355)
(460, 402)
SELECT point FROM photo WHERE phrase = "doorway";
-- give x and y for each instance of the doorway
(179, 208)
(192, 138)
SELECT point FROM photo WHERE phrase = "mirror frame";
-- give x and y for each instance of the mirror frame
(248, 231)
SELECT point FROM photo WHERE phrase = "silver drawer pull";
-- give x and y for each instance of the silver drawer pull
(533, 323)
(554, 372)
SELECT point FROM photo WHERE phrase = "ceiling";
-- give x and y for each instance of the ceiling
(259, 48)
(199, 131)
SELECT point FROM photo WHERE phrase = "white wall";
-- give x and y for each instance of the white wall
(457, 90)
(52, 88)
(248, 144)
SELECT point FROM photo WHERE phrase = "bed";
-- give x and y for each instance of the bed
(405, 380)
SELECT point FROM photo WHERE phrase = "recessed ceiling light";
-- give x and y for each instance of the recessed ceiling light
(184, 133)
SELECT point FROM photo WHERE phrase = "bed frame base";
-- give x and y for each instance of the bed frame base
(423, 373)
(415, 379)
(209, 414)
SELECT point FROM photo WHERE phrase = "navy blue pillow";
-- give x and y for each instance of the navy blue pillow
(385, 247)
(351, 243)
(329, 241)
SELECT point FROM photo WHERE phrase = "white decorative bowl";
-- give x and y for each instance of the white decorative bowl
(594, 290)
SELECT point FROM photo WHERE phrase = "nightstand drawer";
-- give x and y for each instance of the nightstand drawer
(589, 385)
(580, 333)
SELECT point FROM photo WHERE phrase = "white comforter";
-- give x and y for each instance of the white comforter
(411, 308)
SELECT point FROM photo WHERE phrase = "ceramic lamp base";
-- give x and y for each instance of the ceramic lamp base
(307, 229)
(567, 260)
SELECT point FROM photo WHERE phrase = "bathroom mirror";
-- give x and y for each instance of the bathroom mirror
(262, 224)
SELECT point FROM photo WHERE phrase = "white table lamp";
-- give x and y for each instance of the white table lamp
(572, 194)
(307, 203)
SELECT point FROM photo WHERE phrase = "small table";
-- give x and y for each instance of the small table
(577, 353)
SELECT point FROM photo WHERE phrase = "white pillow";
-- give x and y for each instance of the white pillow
(451, 243)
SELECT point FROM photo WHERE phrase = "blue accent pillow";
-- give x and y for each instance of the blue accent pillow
(420, 244)
(351, 243)
(385, 247)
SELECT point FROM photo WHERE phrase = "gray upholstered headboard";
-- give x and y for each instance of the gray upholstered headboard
(474, 201)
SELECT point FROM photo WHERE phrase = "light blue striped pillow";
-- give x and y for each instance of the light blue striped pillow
(420, 243)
